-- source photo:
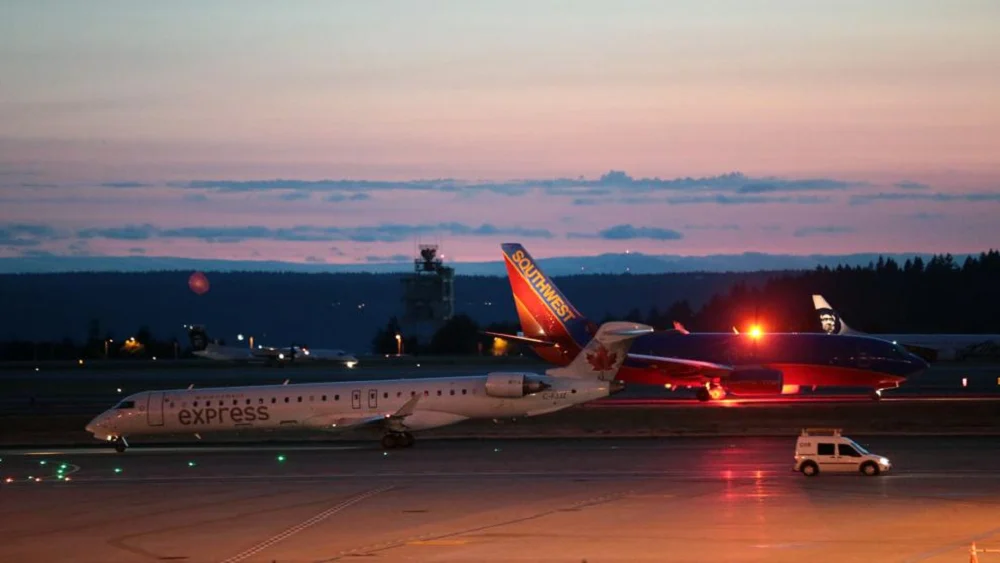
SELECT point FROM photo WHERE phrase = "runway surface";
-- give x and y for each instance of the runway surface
(680, 499)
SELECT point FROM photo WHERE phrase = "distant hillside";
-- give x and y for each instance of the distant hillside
(318, 310)
(635, 263)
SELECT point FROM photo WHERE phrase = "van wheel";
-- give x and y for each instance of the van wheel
(869, 468)
(809, 469)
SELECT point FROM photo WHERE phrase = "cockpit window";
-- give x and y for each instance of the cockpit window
(126, 405)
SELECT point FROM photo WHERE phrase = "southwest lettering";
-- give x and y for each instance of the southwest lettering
(545, 290)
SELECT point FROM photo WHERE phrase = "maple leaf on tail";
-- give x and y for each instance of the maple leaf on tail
(601, 360)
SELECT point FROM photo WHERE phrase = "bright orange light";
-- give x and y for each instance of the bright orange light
(755, 331)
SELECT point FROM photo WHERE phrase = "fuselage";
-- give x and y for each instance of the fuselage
(803, 359)
(331, 406)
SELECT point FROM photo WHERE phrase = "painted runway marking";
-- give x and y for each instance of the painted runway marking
(306, 524)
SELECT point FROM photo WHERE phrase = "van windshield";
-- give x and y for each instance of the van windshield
(858, 447)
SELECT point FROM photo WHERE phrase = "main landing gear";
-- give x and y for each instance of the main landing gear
(397, 440)
(120, 444)
(711, 392)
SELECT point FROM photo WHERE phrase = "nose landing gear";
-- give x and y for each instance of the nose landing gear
(120, 444)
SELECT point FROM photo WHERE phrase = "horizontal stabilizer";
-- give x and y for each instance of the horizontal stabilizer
(521, 339)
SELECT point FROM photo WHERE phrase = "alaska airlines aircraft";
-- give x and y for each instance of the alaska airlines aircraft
(205, 348)
(715, 363)
(394, 408)
(928, 346)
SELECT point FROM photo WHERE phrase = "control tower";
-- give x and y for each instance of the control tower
(429, 292)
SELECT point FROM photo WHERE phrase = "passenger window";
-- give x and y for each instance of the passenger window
(260, 400)
(452, 391)
(572, 390)
(236, 402)
(300, 399)
(336, 397)
(385, 395)
(824, 449)
(248, 401)
(439, 392)
(274, 400)
(286, 399)
(463, 391)
(848, 450)
(196, 403)
(323, 398)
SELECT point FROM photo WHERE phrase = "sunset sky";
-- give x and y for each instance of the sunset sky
(344, 132)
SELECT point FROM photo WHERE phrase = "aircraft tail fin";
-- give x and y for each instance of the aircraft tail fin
(829, 319)
(543, 310)
(605, 353)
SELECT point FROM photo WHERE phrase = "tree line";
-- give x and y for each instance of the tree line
(939, 295)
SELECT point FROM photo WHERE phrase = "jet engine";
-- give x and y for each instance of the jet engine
(751, 382)
(513, 385)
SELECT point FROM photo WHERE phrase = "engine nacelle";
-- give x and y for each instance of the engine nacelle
(513, 385)
(751, 382)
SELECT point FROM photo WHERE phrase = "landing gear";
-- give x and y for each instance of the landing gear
(120, 444)
(712, 392)
(397, 440)
(877, 395)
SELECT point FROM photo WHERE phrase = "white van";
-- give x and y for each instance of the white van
(825, 449)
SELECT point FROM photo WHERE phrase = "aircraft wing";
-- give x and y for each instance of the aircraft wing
(393, 421)
(522, 339)
(671, 364)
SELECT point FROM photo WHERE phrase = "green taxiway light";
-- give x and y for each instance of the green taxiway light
(118, 470)
(191, 464)
(62, 466)
(281, 457)
(43, 462)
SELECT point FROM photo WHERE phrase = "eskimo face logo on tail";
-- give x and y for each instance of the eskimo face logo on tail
(545, 289)
(601, 359)
(829, 320)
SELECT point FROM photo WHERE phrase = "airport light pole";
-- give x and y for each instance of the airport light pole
(106, 342)
(399, 345)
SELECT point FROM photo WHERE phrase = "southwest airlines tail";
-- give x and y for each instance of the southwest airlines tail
(605, 353)
(548, 320)
(829, 319)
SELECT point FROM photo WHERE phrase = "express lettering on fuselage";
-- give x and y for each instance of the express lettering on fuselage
(542, 285)
(211, 415)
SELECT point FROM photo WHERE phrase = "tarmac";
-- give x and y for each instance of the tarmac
(558, 500)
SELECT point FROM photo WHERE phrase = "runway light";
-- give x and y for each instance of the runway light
(965, 382)
(119, 389)
(755, 331)
(8, 480)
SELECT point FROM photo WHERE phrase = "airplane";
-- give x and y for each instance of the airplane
(928, 346)
(716, 364)
(203, 347)
(394, 408)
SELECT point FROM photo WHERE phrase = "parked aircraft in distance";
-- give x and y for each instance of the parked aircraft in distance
(716, 364)
(928, 346)
(394, 408)
(203, 347)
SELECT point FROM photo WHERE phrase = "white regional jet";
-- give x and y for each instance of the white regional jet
(393, 407)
